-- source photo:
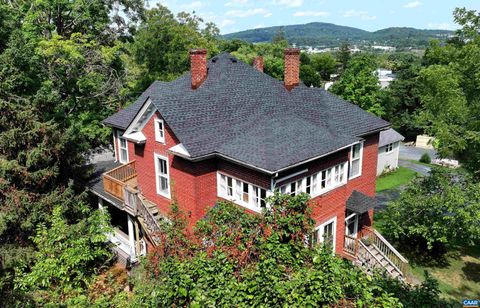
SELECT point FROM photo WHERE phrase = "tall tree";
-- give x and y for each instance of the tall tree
(161, 45)
(450, 90)
(325, 64)
(344, 55)
(359, 84)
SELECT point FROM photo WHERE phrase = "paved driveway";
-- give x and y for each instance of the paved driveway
(414, 153)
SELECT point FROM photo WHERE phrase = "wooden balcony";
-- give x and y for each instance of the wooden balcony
(119, 181)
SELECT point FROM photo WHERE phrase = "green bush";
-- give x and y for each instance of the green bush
(434, 211)
(235, 259)
(425, 158)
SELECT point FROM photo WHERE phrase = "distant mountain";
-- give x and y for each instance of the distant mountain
(330, 35)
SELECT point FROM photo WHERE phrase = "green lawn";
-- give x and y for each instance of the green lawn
(458, 274)
(394, 179)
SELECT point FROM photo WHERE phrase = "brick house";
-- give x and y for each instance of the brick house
(226, 130)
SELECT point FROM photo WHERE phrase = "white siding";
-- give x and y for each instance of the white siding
(387, 159)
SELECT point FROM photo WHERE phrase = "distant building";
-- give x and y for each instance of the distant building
(384, 48)
(385, 77)
(388, 150)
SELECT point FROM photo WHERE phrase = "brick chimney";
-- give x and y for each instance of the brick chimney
(291, 77)
(198, 66)
(258, 63)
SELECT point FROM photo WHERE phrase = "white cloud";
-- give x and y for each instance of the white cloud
(412, 5)
(192, 6)
(362, 14)
(289, 3)
(311, 13)
(259, 26)
(267, 15)
(441, 26)
(236, 3)
(247, 13)
(226, 22)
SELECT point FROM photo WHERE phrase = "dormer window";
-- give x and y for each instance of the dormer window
(356, 160)
(159, 131)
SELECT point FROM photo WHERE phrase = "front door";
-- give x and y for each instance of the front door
(351, 224)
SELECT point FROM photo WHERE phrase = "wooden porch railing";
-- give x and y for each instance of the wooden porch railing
(350, 245)
(374, 237)
(114, 181)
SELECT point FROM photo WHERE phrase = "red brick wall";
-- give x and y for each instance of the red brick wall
(333, 203)
(193, 185)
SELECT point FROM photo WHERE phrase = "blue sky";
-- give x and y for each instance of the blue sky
(371, 15)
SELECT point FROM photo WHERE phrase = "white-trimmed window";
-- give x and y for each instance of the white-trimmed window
(325, 234)
(226, 186)
(162, 175)
(159, 131)
(389, 147)
(259, 196)
(241, 192)
(122, 148)
(356, 160)
(327, 179)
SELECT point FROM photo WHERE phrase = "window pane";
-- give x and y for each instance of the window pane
(355, 168)
(308, 185)
(245, 192)
(263, 196)
(123, 155)
(292, 189)
(238, 190)
(164, 184)
(356, 150)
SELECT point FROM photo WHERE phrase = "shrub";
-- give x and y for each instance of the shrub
(439, 209)
(236, 259)
(426, 159)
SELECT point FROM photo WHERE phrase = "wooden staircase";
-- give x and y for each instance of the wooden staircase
(373, 252)
(371, 258)
(149, 218)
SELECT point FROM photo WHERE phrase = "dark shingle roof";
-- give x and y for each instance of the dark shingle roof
(360, 203)
(389, 136)
(250, 117)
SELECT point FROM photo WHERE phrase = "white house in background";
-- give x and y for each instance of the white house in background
(385, 77)
(388, 149)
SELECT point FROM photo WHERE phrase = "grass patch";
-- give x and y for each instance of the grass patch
(457, 272)
(399, 177)
(458, 275)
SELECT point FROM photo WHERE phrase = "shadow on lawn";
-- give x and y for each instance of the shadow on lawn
(471, 271)
(418, 255)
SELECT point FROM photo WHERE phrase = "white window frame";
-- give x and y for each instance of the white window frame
(157, 175)
(320, 232)
(316, 181)
(119, 144)
(254, 202)
(389, 147)
(360, 159)
(159, 134)
(348, 219)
